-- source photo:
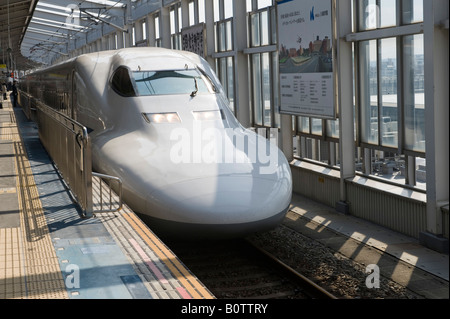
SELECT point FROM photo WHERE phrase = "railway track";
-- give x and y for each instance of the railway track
(238, 269)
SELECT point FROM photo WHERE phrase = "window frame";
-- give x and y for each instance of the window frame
(257, 48)
(114, 86)
(207, 82)
(370, 151)
(378, 34)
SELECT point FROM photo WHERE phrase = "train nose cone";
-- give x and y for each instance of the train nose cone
(235, 204)
(243, 187)
(231, 199)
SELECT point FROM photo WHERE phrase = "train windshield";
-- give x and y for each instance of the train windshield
(172, 82)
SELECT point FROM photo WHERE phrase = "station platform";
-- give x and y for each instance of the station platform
(48, 251)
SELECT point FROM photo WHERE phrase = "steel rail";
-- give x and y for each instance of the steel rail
(312, 288)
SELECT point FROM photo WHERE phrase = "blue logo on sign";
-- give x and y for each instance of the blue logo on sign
(311, 14)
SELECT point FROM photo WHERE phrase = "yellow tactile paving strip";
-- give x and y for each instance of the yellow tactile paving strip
(12, 273)
(9, 131)
(29, 266)
(188, 281)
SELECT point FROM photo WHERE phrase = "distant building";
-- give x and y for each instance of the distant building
(317, 45)
(326, 45)
(292, 52)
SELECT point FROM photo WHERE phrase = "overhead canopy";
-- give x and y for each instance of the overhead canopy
(15, 15)
(35, 32)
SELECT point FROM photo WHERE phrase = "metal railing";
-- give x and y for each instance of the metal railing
(99, 206)
(27, 103)
(68, 144)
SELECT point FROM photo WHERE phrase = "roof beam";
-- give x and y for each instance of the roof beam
(64, 26)
(47, 33)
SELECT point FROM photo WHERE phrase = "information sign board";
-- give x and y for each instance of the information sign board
(305, 33)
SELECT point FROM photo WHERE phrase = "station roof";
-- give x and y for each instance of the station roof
(33, 30)
(15, 16)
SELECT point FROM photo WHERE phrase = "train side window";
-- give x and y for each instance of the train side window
(121, 82)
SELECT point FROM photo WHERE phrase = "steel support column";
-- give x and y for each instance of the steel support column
(436, 120)
(343, 25)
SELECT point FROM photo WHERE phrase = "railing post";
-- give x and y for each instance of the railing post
(87, 173)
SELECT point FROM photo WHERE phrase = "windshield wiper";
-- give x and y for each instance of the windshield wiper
(194, 93)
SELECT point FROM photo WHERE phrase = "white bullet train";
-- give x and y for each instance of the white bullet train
(159, 120)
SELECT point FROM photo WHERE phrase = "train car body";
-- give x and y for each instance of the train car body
(159, 119)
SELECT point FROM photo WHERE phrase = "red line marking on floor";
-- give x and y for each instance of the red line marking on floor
(148, 261)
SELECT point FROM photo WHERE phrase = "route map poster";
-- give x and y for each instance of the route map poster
(306, 58)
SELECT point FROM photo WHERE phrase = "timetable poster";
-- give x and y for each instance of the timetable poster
(306, 58)
(193, 39)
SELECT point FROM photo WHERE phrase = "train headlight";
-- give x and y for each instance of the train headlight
(208, 115)
(161, 118)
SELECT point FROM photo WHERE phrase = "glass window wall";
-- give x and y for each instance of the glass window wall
(391, 90)
(388, 121)
(175, 26)
(262, 88)
(158, 42)
(368, 82)
(223, 28)
(196, 12)
(414, 98)
(264, 66)
(389, 102)
(225, 72)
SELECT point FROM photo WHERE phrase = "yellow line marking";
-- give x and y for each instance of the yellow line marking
(180, 272)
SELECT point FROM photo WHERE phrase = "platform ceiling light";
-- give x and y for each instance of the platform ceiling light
(107, 3)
